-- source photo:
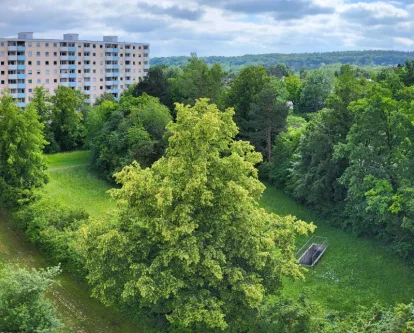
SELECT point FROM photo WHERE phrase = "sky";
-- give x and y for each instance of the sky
(220, 27)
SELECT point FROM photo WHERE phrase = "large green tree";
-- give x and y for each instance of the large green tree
(67, 118)
(22, 165)
(197, 80)
(191, 247)
(24, 307)
(267, 117)
(314, 91)
(243, 92)
(131, 130)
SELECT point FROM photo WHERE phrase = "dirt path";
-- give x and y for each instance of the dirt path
(67, 167)
(71, 298)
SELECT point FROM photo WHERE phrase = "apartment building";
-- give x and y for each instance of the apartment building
(93, 67)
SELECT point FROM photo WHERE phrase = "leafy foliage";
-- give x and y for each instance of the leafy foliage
(191, 247)
(22, 164)
(131, 130)
(23, 304)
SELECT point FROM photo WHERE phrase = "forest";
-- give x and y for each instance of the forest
(198, 166)
(297, 61)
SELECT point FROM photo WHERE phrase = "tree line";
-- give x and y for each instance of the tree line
(189, 249)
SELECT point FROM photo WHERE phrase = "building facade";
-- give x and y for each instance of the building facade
(93, 67)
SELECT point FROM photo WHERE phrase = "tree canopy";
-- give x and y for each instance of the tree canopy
(191, 247)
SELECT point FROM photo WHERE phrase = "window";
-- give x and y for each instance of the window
(38, 63)
(94, 46)
(94, 88)
(47, 72)
(133, 62)
(79, 63)
(47, 44)
(101, 79)
(133, 56)
(133, 47)
(2, 72)
(79, 54)
(38, 44)
(29, 72)
(2, 63)
(38, 81)
(133, 71)
(55, 54)
(94, 71)
(46, 54)
(30, 81)
(29, 44)
(38, 54)
(94, 79)
(79, 71)
(2, 81)
(94, 54)
(47, 80)
(2, 44)
(54, 44)
(101, 46)
(101, 87)
(30, 90)
(29, 63)
(55, 72)
(54, 80)
(101, 55)
(122, 87)
(2, 54)
(38, 72)
(47, 63)
(79, 79)
(55, 63)
(29, 53)
(101, 71)
(121, 62)
(101, 62)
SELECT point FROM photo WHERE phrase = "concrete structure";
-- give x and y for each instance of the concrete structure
(93, 67)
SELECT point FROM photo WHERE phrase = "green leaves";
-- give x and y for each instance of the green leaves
(191, 244)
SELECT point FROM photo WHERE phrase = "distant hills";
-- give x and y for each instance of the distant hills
(300, 60)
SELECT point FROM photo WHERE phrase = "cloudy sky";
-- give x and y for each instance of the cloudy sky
(221, 27)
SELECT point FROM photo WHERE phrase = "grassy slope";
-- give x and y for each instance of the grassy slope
(77, 186)
(353, 270)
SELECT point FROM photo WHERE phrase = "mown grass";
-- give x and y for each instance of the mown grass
(77, 185)
(354, 271)
(68, 159)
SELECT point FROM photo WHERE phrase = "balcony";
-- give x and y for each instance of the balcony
(64, 75)
(128, 66)
(146, 58)
(21, 95)
(20, 67)
(72, 75)
(67, 49)
(128, 81)
(116, 83)
(21, 104)
(72, 66)
(12, 86)
(87, 92)
(21, 76)
(65, 84)
(107, 66)
(109, 49)
(21, 57)
(12, 67)
(116, 90)
(12, 76)
(72, 58)
(21, 85)
(112, 74)
(88, 101)
(87, 58)
(86, 74)
(110, 83)
(12, 48)
(111, 58)
(64, 66)
(146, 66)
(87, 66)
(21, 48)
(128, 58)
(64, 58)
(87, 49)
(116, 50)
(72, 84)
(87, 84)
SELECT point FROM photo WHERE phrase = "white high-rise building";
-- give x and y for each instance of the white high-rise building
(93, 67)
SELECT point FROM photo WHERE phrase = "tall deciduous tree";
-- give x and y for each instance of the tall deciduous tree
(22, 164)
(244, 90)
(23, 304)
(314, 91)
(67, 118)
(268, 117)
(191, 246)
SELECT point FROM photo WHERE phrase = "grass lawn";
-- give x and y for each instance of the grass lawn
(74, 183)
(352, 271)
